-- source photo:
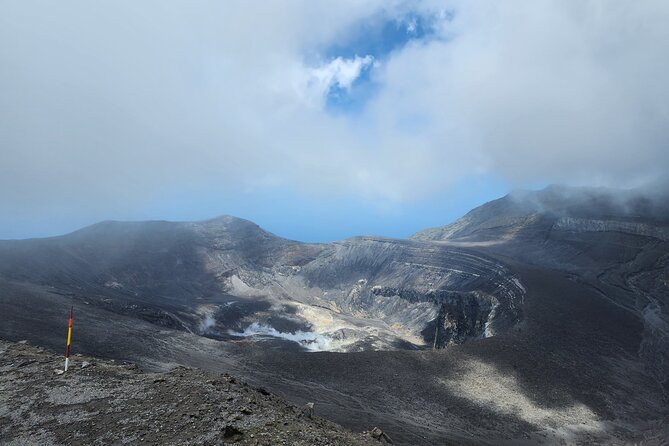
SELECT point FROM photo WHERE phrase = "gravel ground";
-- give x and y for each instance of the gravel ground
(106, 402)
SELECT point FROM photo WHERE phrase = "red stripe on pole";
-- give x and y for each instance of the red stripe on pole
(69, 338)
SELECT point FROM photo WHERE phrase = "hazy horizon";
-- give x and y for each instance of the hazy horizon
(295, 226)
(318, 120)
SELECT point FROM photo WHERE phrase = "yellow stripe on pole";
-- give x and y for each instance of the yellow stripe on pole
(69, 338)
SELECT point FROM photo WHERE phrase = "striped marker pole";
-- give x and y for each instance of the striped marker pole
(69, 338)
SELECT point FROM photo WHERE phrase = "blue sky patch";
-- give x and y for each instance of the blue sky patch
(378, 37)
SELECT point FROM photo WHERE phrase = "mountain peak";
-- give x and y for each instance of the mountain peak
(508, 216)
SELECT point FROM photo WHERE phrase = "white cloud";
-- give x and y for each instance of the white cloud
(110, 107)
(314, 84)
(541, 91)
(411, 26)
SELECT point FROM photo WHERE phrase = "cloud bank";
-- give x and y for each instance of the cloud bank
(113, 106)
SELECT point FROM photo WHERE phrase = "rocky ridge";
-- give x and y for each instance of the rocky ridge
(227, 278)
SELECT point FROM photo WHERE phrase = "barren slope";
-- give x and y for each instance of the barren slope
(102, 402)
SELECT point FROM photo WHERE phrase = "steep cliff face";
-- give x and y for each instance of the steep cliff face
(415, 285)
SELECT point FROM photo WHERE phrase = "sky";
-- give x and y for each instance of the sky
(321, 120)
